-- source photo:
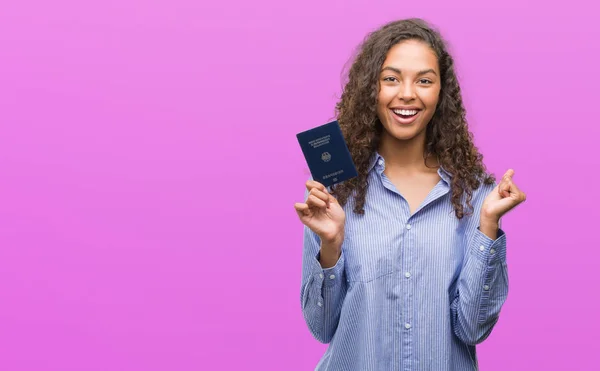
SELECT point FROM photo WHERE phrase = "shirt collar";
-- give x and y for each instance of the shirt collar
(445, 175)
(376, 157)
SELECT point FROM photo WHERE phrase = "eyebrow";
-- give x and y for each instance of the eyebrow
(394, 69)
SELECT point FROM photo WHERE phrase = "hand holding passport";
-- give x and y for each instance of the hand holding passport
(327, 154)
(330, 162)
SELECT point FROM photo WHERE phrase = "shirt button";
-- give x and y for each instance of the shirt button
(408, 226)
(492, 251)
(407, 326)
(486, 287)
(380, 162)
(320, 304)
(332, 276)
(321, 275)
(481, 248)
(407, 274)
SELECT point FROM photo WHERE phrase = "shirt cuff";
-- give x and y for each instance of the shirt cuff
(487, 250)
(329, 276)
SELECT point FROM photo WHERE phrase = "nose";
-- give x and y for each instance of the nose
(406, 92)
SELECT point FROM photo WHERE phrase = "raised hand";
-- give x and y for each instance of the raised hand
(502, 199)
(322, 214)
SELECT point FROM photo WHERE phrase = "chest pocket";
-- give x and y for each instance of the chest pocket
(370, 254)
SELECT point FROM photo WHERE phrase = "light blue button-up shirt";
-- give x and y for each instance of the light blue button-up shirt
(409, 292)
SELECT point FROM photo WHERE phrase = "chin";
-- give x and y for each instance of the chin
(403, 134)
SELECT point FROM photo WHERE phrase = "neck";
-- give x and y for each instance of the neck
(406, 155)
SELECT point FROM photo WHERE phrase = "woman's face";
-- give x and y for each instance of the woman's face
(409, 89)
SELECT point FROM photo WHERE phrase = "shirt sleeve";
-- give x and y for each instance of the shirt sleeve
(482, 287)
(323, 290)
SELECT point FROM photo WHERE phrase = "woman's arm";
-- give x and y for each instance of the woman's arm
(323, 289)
(482, 286)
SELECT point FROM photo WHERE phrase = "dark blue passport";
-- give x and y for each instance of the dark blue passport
(327, 154)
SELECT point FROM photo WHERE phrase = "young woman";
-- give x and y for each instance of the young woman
(404, 267)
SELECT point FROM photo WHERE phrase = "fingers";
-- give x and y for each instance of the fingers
(323, 195)
(314, 184)
(507, 187)
(517, 193)
(509, 174)
(314, 201)
(319, 190)
(318, 198)
(504, 187)
(300, 207)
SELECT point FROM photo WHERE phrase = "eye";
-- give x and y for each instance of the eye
(390, 78)
(425, 81)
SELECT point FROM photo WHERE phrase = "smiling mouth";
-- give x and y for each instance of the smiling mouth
(405, 113)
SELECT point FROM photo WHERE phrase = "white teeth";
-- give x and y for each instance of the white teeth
(405, 112)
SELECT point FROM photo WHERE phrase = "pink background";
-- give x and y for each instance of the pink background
(149, 166)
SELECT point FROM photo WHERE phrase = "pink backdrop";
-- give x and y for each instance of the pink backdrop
(149, 166)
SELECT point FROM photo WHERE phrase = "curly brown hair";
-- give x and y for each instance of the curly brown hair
(447, 135)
